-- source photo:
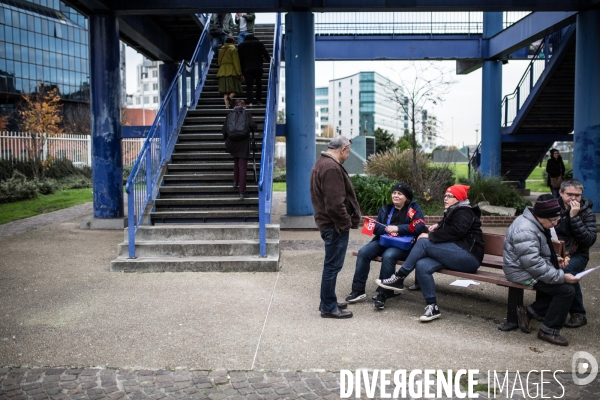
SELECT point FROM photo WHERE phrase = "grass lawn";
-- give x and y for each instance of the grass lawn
(279, 186)
(44, 204)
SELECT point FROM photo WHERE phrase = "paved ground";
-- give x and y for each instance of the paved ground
(71, 329)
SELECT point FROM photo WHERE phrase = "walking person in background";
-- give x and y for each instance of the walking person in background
(236, 130)
(403, 217)
(252, 52)
(230, 72)
(221, 26)
(555, 168)
(336, 212)
(246, 24)
(455, 243)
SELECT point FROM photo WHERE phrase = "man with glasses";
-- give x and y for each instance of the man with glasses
(336, 212)
(578, 229)
(530, 259)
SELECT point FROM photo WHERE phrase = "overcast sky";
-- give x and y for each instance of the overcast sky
(459, 115)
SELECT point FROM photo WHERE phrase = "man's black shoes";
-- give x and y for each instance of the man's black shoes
(339, 314)
(576, 321)
(524, 319)
(341, 306)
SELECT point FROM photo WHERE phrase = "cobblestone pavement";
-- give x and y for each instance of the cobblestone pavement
(97, 383)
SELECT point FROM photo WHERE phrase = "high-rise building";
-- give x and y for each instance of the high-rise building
(359, 104)
(322, 126)
(43, 42)
(147, 95)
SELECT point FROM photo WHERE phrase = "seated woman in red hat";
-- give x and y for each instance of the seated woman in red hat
(455, 243)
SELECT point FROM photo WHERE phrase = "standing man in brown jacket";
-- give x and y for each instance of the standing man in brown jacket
(336, 212)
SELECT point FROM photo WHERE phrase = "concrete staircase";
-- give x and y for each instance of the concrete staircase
(195, 248)
(199, 223)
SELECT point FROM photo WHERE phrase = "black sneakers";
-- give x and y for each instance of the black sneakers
(431, 312)
(355, 296)
(576, 321)
(379, 302)
(394, 282)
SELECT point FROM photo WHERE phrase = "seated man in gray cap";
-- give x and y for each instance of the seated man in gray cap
(530, 259)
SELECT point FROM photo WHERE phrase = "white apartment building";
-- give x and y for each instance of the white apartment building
(147, 95)
(358, 104)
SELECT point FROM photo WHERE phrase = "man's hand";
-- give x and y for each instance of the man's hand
(391, 229)
(433, 227)
(575, 207)
(570, 278)
(561, 263)
(423, 236)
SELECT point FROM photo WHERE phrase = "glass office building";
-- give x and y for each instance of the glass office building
(42, 41)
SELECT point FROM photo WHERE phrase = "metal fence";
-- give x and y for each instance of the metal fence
(22, 146)
(406, 23)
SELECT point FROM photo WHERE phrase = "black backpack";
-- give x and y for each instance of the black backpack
(237, 125)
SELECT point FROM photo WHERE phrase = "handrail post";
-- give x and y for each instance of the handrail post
(531, 77)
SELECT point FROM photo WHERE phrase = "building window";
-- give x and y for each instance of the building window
(155, 99)
(351, 111)
(326, 109)
(340, 122)
(146, 100)
(350, 101)
(339, 84)
(350, 121)
(155, 86)
(339, 113)
(340, 103)
(350, 92)
(145, 87)
(351, 81)
(155, 73)
(138, 100)
(339, 94)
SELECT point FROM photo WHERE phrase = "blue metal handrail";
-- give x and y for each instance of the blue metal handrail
(265, 180)
(143, 182)
(512, 103)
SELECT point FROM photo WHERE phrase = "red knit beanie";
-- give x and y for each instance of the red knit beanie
(458, 191)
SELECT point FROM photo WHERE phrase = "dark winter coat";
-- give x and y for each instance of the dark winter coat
(461, 225)
(332, 195)
(249, 17)
(555, 168)
(527, 254)
(404, 226)
(252, 52)
(242, 148)
(225, 21)
(579, 232)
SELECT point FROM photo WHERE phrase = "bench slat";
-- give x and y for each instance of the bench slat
(484, 276)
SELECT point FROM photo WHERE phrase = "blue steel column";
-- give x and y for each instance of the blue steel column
(107, 158)
(491, 92)
(299, 110)
(586, 141)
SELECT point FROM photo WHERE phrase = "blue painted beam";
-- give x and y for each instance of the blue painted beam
(134, 131)
(529, 29)
(144, 35)
(147, 7)
(388, 47)
(533, 138)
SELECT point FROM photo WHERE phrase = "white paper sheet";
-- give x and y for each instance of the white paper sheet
(464, 282)
(587, 271)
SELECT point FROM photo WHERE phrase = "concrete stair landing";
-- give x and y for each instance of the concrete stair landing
(199, 248)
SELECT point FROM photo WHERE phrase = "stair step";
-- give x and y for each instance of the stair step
(203, 214)
(203, 232)
(185, 136)
(202, 189)
(197, 264)
(199, 248)
(207, 177)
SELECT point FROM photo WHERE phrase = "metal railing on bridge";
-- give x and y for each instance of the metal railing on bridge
(406, 23)
(147, 172)
(512, 103)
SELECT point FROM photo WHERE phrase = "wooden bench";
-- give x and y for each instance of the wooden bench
(494, 248)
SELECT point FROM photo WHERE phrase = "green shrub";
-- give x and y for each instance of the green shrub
(372, 192)
(17, 188)
(279, 175)
(126, 172)
(428, 182)
(76, 182)
(47, 186)
(62, 168)
(491, 189)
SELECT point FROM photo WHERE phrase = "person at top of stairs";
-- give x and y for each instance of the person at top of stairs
(251, 53)
(221, 26)
(230, 72)
(236, 130)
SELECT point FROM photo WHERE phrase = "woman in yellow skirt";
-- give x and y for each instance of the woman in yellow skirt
(230, 72)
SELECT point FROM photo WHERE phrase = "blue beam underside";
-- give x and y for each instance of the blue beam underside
(586, 166)
(299, 110)
(105, 90)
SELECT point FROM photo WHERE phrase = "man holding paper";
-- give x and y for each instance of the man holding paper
(403, 217)
(578, 230)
